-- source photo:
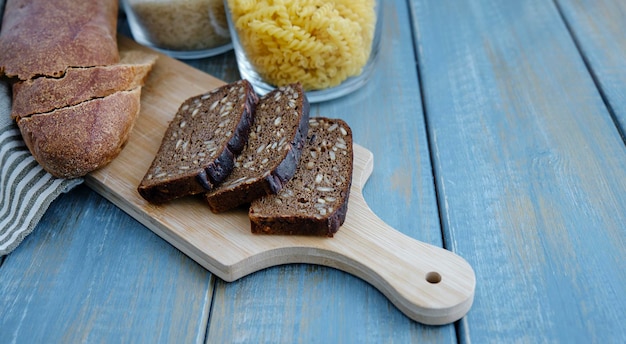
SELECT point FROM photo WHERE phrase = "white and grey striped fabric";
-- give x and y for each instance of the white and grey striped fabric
(26, 190)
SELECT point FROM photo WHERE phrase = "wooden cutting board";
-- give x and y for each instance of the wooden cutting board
(429, 284)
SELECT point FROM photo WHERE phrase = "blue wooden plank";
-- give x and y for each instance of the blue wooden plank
(530, 171)
(599, 27)
(308, 303)
(90, 273)
(301, 303)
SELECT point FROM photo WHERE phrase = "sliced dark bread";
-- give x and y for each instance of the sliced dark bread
(271, 156)
(315, 201)
(200, 144)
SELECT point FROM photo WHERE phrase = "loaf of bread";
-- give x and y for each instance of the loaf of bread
(72, 141)
(45, 37)
(315, 201)
(270, 158)
(199, 146)
(73, 100)
(79, 84)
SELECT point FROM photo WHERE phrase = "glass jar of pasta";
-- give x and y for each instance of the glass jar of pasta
(330, 46)
(184, 29)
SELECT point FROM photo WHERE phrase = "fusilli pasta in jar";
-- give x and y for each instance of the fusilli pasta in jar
(319, 43)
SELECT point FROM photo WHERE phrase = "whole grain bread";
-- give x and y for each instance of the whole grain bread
(79, 84)
(45, 37)
(270, 158)
(199, 146)
(315, 201)
(72, 141)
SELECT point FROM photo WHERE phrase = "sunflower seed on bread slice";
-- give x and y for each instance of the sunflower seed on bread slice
(315, 201)
(200, 144)
(273, 151)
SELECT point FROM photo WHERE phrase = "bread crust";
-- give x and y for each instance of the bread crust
(73, 141)
(299, 225)
(44, 37)
(45, 94)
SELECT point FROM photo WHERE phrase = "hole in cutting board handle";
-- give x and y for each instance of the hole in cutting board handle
(433, 277)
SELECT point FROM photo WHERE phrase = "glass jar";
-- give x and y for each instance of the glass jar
(184, 29)
(330, 46)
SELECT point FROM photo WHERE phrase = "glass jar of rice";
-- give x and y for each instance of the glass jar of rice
(330, 46)
(184, 29)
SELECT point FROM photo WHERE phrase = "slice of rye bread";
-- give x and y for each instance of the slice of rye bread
(75, 140)
(273, 151)
(79, 84)
(315, 201)
(200, 144)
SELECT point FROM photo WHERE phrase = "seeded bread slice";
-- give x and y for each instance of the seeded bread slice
(273, 151)
(315, 201)
(199, 147)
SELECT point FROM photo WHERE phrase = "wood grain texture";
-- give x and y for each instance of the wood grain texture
(599, 27)
(530, 171)
(90, 273)
(366, 247)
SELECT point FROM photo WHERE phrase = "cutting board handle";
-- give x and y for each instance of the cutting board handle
(429, 284)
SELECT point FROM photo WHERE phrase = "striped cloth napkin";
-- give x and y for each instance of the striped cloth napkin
(26, 190)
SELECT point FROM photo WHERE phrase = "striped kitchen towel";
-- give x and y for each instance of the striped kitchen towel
(26, 190)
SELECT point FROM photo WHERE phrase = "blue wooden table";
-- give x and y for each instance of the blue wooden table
(498, 131)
